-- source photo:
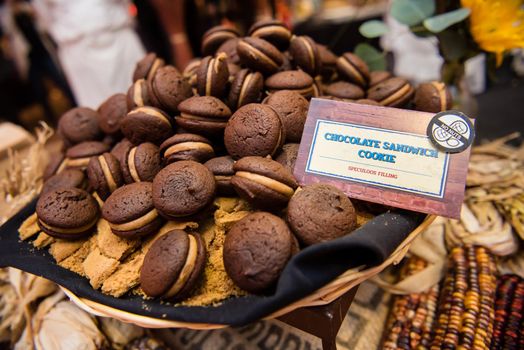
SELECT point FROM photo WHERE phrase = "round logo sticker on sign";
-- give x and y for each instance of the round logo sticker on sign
(451, 131)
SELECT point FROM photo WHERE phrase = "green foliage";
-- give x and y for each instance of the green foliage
(438, 23)
(375, 59)
(411, 12)
(373, 29)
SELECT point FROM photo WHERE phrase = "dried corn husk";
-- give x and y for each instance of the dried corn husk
(22, 179)
(119, 334)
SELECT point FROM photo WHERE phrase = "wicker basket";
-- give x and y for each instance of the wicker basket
(322, 296)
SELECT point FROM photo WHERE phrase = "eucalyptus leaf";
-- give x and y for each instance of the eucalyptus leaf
(375, 59)
(438, 23)
(411, 12)
(373, 29)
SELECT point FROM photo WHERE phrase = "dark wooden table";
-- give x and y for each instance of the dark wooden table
(322, 321)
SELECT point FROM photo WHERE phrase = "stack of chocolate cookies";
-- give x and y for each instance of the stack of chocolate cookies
(229, 125)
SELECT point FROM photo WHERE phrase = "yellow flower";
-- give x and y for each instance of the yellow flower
(497, 25)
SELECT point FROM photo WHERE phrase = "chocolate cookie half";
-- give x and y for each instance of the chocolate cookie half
(168, 88)
(256, 250)
(222, 169)
(254, 130)
(213, 76)
(67, 213)
(273, 31)
(78, 156)
(305, 54)
(295, 80)
(191, 183)
(140, 163)
(78, 125)
(353, 69)
(130, 212)
(173, 265)
(432, 97)
(186, 147)
(263, 182)
(259, 55)
(394, 92)
(146, 124)
(319, 213)
(292, 109)
(344, 90)
(111, 112)
(205, 115)
(216, 36)
(246, 88)
(147, 67)
(137, 95)
(69, 178)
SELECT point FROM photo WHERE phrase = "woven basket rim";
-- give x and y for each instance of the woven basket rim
(322, 296)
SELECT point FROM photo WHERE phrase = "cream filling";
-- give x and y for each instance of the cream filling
(137, 93)
(187, 146)
(62, 166)
(272, 29)
(78, 162)
(278, 144)
(441, 89)
(197, 117)
(150, 111)
(306, 92)
(137, 223)
(154, 68)
(310, 52)
(222, 178)
(132, 166)
(396, 96)
(268, 182)
(209, 74)
(107, 174)
(243, 90)
(224, 35)
(187, 269)
(260, 53)
(353, 70)
(98, 199)
(69, 230)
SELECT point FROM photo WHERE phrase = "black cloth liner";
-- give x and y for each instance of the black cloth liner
(306, 272)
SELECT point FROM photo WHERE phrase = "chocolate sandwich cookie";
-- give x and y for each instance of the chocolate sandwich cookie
(229, 47)
(295, 80)
(191, 183)
(104, 174)
(263, 182)
(147, 67)
(121, 148)
(329, 62)
(168, 88)
(173, 265)
(246, 88)
(69, 178)
(213, 76)
(273, 31)
(111, 112)
(233, 70)
(288, 156)
(378, 76)
(394, 92)
(130, 212)
(140, 163)
(305, 54)
(205, 115)
(78, 156)
(256, 250)
(67, 213)
(259, 55)
(190, 72)
(254, 130)
(137, 95)
(344, 90)
(146, 124)
(351, 68)
(186, 147)
(57, 163)
(292, 109)
(222, 169)
(78, 125)
(319, 213)
(432, 97)
(216, 36)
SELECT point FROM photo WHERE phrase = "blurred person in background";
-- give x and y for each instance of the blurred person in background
(97, 45)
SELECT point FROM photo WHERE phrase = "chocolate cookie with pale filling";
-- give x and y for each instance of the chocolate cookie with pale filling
(130, 212)
(213, 76)
(67, 213)
(78, 125)
(394, 92)
(273, 31)
(378, 76)
(146, 124)
(111, 112)
(305, 54)
(353, 69)
(140, 163)
(247, 87)
(69, 178)
(173, 265)
(292, 109)
(344, 90)
(259, 55)
(186, 147)
(168, 88)
(263, 182)
(147, 67)
(256, 250)
(215, 37)
(137, 95)
(79, 155)
(432, 97)
(295, 80)
(205, 115)
(104, 174)
(222, 169)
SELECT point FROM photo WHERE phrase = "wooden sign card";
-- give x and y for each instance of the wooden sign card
(402, 158)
